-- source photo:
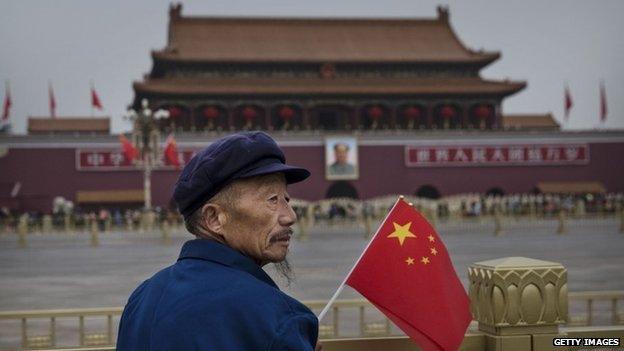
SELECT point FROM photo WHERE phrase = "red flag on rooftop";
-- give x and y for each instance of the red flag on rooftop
(568, 103)
(130, 152)
(603, 102)
(95, 100)
(52, 101)
(7, 104)
(406, 272)
(171, 151)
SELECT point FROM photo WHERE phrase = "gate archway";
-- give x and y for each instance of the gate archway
(342, 189)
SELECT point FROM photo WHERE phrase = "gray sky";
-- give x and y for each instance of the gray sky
(546, 43)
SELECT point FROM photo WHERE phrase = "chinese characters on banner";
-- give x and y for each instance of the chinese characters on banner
(114, 160)
(495, 155)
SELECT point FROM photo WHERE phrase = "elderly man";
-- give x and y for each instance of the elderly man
(217, 296)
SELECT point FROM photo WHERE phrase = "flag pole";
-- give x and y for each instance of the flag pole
(91, 93)
(341, 286)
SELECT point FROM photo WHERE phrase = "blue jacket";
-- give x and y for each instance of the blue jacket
(214, 298)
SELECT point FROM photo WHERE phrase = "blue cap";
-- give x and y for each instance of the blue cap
(237, 156)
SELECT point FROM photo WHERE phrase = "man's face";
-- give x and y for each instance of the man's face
(341, 153)
(259, 225)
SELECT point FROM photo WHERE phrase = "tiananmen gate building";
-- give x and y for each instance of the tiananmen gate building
(401, 100)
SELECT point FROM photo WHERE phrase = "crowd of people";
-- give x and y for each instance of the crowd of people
(332, 211)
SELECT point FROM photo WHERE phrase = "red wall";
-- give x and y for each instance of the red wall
(383, 171)
(49, 172)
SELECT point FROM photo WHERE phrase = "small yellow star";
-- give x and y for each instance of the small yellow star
(401, 232)
(409, 261)
(434, 251)
(431, 238)
(425, 260)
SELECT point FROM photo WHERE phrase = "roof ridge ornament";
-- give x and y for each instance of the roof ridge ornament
(175, 10)
(443, 13)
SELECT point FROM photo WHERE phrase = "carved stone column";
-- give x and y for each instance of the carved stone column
(519, 302)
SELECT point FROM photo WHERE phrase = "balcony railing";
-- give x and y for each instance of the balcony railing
(348, 319)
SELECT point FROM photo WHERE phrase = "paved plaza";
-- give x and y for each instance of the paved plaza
(64, 271)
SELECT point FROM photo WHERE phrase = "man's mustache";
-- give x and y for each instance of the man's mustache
(282, 235)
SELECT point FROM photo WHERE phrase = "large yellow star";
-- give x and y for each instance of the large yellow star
(401, 232)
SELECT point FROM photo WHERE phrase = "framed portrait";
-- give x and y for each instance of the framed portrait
(341, 158)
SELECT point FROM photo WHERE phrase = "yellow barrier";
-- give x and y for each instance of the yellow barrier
(364, 327)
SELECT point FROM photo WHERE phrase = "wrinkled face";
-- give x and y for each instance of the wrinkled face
(260, 224)
(341, 153)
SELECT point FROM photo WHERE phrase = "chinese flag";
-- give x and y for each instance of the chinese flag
(567, 103)
(130, 152)
(52, 101)
(7, 104)
(95, 100)
(603, 102)
(407, 274)
(171, 151)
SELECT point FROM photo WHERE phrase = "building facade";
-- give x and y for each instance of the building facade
(321, 74)
(371, 106)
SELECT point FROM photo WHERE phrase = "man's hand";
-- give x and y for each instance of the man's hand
(319, 346)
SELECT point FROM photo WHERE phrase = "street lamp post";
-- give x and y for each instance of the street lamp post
(145, 138)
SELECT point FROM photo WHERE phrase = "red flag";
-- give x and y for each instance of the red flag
(567, 101)
(7, 104)
(130, 152)
(603, 102)
(52, 101)
(171, 151)
(406, 272)
(95, 100)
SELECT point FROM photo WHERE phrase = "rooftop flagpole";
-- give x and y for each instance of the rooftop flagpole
(341, 286)
(91, 96)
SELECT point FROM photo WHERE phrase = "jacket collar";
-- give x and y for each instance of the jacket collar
(211, 250)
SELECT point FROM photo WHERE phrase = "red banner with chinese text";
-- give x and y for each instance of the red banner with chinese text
(494, 155)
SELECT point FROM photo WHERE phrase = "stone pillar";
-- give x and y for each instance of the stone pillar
(165, 229)
(22, 230)
(518, 302)
(562, 228)
(93, 229)
(498, 227)
(46, 224)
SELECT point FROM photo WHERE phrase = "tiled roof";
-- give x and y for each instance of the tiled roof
(319, 86)
(68, 124)
(222, 39)
(544, 121)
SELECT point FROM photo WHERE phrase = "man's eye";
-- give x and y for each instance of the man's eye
(273, 199)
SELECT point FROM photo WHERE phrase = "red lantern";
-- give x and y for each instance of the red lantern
(412, 113)
(375, 112)
(286, 113)
(249, 113)
(174, 112)
(447, 112)
(328, 71)
(483, 112)
(210, 112)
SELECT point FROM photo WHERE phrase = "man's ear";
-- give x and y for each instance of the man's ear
(214, 218)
